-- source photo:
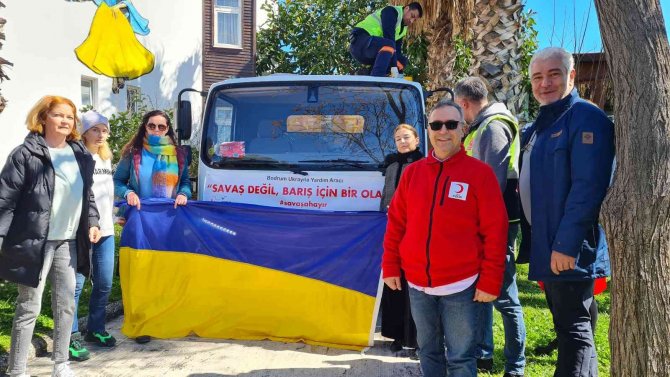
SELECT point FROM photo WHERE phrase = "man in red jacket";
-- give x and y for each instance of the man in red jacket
(447, 230)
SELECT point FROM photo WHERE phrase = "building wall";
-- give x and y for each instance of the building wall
(593, 79)
(222, 63)
(41, 42)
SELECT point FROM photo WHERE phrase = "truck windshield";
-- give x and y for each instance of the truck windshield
(310, 126)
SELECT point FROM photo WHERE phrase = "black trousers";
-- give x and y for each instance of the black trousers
(569, 303)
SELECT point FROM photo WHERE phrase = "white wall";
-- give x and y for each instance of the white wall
(40, 41)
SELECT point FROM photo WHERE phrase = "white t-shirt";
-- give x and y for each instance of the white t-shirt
(103, 189)
(447, 289)
(67, 196)
(524, 178)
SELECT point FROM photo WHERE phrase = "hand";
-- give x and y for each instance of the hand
(180, 200)
(561, 262)
(481, 296)
(394, 72)
(393, 283)
(121, 221)
(94, 234)
(133, 200)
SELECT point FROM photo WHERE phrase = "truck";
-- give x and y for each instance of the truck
(297, 141)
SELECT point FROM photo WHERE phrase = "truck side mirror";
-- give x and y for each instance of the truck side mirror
(184, 120)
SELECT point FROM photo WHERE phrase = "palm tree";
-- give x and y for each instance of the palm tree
(491, 29)
(443, 20)
(496, 41)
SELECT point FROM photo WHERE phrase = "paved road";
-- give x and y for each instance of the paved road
(197, 357)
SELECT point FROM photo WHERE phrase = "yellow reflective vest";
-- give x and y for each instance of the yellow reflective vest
(512, 153)
(373, 24)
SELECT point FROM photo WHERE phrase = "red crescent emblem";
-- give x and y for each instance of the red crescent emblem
(460, 188)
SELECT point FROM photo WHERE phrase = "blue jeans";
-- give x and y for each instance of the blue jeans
(512, 316)
(448, 321)
(102, 270)
(366, 50)
(569, 303)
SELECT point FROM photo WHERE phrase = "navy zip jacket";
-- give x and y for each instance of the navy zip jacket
(571, 165)
(389, 17)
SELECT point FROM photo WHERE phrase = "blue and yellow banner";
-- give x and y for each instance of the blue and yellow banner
(224, 270)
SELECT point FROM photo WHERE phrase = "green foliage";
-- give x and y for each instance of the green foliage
(312, 37)
(528, 47)
(417, 54)
(463, 58)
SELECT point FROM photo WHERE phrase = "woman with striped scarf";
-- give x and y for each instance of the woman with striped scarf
(152, 166)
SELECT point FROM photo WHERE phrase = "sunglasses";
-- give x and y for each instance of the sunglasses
(450, 124)
(161, 127)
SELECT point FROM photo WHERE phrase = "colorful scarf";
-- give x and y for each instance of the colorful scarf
(165, 174)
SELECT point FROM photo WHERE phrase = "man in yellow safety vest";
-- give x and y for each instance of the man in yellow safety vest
(493, 137)
(377, 40)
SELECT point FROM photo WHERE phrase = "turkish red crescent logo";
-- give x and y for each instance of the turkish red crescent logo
(460, 188)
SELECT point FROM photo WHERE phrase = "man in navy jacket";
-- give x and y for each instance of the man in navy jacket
(566, 164)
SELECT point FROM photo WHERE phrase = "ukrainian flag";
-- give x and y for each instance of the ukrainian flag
(224, 270)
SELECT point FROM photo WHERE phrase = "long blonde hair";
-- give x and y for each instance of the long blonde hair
(105, 152)
(37, 115)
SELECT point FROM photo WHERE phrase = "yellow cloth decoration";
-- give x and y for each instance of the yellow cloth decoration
(111, 48)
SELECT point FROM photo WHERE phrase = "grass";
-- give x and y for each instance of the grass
(539, 331)
(539, 328)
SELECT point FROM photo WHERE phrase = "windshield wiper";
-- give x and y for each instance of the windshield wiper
(355, 163)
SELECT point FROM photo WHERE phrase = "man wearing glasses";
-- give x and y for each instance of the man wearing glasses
(447, 229)
(493, 137)
(565, 170)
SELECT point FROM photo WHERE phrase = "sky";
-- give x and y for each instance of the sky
(573, 24)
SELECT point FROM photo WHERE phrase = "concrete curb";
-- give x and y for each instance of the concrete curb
(41, 345)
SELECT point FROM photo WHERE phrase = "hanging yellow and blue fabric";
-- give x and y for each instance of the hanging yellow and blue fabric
(111, 48)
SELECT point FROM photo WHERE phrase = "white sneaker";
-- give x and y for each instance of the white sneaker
(62, 370)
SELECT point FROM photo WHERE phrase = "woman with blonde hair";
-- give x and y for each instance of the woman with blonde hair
(397, 322)
(94, 133)
(48, 219)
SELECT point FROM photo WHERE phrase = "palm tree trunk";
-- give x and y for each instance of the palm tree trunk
(496, 42)
(442, 21)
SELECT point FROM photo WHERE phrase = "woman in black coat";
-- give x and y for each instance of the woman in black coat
(397, 322)
(48, 218)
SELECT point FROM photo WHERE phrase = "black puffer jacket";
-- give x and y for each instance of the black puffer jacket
(394, 165)
(26, 192)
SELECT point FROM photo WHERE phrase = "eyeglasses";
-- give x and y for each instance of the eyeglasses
(161, 127)
(450, 124)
